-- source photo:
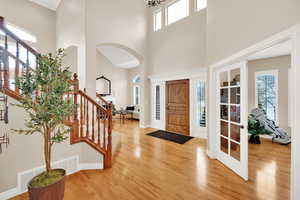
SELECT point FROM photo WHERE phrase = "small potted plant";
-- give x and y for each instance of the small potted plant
(43, 92)
(255, 128)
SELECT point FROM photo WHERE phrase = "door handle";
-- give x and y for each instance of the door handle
(242, 126)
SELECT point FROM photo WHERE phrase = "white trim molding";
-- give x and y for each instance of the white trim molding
(145, 126)
(202, 72)
(9, 194)
(91, 166)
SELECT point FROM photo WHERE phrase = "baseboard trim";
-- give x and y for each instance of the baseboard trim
(90, 166)
(145, 126)
(211, 155)
(81, 166)
(9, 194)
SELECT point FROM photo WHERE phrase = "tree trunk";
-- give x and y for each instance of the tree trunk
(47, 149)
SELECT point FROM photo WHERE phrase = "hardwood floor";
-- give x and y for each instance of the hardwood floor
(150, 168)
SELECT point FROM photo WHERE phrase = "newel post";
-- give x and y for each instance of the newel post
(108, 157)
(75, 122)
(76, 89)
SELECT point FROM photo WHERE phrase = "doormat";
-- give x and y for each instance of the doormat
(173, 137)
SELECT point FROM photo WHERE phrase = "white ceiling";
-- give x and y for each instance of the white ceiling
(278, 50)
(119, 57)
(51, 4)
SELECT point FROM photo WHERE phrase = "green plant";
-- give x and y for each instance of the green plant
(43, 92)
(256, 128)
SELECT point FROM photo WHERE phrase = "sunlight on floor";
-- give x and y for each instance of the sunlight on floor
(201, 173)
(266, 180)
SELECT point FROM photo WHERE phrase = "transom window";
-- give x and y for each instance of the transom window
(201, 4)
(267, 93)
(20, 33)
(176, 11)
(157, 20)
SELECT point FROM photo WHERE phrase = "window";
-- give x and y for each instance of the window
(157, 20)
(157, 102)
(23, 35)
(266, 93)
(177, 11)
(136, 95)
(201, 4)
(136, 79)
(201, 115)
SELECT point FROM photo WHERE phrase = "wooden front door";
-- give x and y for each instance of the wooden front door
(177, 107)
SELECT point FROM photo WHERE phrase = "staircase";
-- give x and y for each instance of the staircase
(91, 124)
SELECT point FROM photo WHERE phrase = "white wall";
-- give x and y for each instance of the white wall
(37, 20)
(179, 47)
(114, 21)
(70, 31)
(233, 25)
(118, 77)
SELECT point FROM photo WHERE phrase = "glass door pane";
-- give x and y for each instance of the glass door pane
(235, 113)
(230, 113)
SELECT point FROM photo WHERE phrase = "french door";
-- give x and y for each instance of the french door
(232, 117)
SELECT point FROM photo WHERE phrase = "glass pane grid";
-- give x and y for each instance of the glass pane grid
(230, 112)
(267, 94)
(231, 140)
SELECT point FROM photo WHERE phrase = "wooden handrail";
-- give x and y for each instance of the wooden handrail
(91, 100)
(102, 99)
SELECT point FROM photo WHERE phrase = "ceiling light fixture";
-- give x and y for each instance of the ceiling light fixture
(154, 3)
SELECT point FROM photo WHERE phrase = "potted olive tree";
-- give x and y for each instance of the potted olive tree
(43, 93)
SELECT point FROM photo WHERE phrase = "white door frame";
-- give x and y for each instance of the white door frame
(161, 80)
(292, 34)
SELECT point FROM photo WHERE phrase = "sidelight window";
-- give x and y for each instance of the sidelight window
(267, 93)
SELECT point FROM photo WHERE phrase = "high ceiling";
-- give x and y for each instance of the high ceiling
(51, 4)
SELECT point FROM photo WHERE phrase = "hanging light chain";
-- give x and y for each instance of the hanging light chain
(154, 3)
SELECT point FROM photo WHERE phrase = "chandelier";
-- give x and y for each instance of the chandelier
(154, 3)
